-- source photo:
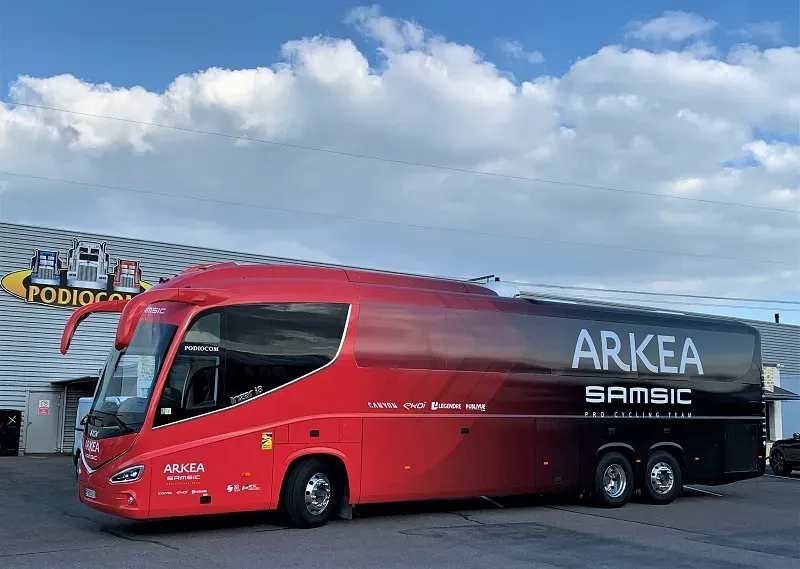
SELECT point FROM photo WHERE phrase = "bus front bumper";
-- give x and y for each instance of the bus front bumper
(118, 500)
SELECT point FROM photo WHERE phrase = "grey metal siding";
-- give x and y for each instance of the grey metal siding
(780, 344)
(30, 334)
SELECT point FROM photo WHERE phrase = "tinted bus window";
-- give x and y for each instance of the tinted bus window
(194, 386)
(269, 345)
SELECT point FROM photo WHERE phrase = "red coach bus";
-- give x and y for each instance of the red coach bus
(235, 388)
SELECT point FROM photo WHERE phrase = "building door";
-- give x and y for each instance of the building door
(42, 421)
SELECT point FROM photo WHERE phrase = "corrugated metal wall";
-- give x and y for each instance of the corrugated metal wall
(780, 344)
(30, 334)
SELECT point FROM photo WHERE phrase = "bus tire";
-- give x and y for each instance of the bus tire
(313, 491)
(613, 481)
(663, 478)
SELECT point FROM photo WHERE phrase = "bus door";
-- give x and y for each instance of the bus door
(209, 462)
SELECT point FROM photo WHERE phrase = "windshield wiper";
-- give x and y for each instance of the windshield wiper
(122, 425)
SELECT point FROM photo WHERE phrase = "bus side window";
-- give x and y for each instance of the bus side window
(194, 383)
(270, 345)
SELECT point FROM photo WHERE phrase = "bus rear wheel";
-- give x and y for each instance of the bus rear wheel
(663, 480)
(613, 481)
(313, 491)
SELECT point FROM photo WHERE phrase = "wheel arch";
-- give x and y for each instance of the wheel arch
(674, 449)
(624, 449)
(336, 457)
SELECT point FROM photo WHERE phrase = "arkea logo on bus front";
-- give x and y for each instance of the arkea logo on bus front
(183, 472)
(87, 276)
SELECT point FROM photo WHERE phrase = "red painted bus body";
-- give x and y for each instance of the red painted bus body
(239, 388)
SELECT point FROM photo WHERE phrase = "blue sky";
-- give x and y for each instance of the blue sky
(150, 42)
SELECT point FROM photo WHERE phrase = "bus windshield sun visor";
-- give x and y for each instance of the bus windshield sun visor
(136, 306)
(82, 313)
(132, 310)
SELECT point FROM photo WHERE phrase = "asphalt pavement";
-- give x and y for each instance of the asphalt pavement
(748, 524)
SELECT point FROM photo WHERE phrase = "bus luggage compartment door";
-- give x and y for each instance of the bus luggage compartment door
(742, 446)
(559, 448)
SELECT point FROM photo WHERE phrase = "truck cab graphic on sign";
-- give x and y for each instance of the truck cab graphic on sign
(84, 278)
(46, 268)
(127, 276)
(88, 265)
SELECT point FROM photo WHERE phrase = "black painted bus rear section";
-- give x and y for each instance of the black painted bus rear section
(640, 381)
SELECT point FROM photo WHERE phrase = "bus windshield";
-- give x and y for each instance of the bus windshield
(126, 385)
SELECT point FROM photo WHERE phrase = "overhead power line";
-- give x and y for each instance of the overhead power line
(406, 162)
(396, 223)
(650, 293)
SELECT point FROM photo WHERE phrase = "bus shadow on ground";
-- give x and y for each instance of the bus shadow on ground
(275, 521)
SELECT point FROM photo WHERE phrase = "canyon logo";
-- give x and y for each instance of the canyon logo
(87, 276)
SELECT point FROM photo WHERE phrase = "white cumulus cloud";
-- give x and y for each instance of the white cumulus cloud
(678, 123)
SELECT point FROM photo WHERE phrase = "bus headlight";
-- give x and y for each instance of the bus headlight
(131, 474)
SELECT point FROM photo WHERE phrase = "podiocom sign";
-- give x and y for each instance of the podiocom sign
(86, 278)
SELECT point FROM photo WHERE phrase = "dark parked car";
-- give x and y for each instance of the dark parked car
(785, 455)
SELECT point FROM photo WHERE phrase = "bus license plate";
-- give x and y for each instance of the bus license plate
(89, 493)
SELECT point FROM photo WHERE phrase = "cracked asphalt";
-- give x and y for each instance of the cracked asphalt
(748, 524)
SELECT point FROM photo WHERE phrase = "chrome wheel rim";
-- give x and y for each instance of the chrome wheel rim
(614, 481)
(662, 479)
(318, 494)
(776, 462)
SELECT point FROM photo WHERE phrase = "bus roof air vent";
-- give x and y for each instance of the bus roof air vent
(508, 290)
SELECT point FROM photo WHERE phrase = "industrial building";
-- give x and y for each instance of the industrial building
(47, 273)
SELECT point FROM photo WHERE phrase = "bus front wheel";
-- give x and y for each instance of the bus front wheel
(314, 489)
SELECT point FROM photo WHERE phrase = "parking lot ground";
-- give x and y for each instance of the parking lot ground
(748, 524)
